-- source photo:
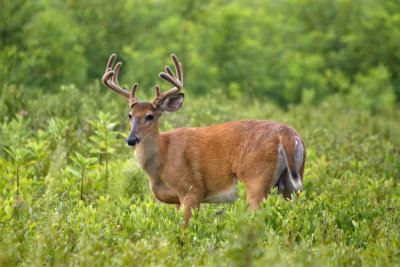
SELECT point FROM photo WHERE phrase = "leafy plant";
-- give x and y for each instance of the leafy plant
(105, 139)
(56, 129)
(82, 164)
(20, 158)
(348, 213)
(39, 152)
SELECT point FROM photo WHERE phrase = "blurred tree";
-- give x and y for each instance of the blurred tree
(14, 16)
(266, 48)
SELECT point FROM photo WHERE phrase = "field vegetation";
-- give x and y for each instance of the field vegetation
(71, 192)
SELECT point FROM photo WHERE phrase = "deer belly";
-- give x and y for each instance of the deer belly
(227, 196)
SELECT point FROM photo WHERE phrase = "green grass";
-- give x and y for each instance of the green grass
(348, 213)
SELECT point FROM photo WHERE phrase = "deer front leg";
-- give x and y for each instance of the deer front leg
(189, 205)
(191, 201)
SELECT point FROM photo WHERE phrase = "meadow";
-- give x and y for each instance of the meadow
(348, 213)
(72, 194)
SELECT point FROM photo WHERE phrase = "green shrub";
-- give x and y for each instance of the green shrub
(347, 214)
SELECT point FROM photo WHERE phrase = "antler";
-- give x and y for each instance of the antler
(110, 80)
(171, 78)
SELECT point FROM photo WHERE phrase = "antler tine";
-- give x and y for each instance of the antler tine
(110, 80)
(132, 100)
(110, 84)
(170, 79)
(157, 91)
(168, 69)
(133, 91)
(175, 80)
(178, 67)
(115, 76)
(111, 62)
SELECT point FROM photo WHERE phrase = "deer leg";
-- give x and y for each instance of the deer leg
(190, 202)
(177, 206)
(258, 185)
(258, 172)
(257, 192)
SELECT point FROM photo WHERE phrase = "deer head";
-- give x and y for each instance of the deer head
(144, 116)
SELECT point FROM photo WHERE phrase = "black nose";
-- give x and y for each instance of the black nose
(132, 141)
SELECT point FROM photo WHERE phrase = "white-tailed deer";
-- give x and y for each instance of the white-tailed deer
(189, 166)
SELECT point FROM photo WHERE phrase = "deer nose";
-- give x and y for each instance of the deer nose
(132, 141)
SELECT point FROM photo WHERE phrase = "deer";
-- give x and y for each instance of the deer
(193, 165)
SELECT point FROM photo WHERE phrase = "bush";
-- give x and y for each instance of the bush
(347, 213)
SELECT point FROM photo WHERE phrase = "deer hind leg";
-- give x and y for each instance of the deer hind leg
(256, 193)
(259, 184)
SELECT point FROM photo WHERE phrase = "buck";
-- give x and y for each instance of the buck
(193, 165)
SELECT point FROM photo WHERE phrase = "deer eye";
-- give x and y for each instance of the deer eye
(130, 116)
(149, 117)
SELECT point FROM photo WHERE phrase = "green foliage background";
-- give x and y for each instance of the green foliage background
(329, 68)
(278, 49)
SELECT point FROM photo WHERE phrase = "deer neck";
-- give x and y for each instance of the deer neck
(148, 157)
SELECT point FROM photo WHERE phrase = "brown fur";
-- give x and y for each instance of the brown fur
(188, 166)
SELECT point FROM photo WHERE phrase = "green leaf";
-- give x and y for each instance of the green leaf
(11, 152)
(95, 151)
(95, 139)
(74, 172)
(111, 126)
(30, 162)
(90, 161)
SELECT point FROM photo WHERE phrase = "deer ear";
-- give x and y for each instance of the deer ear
(172, 103)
